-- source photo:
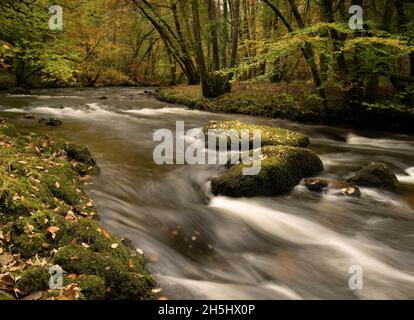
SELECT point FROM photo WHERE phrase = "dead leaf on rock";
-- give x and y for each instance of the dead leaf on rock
(34, 296)
(114, 245)
(70, 216)
(53, 230)
(28, 229)
(5, 259)
(6, 281)
(103, 232)
(85, 245)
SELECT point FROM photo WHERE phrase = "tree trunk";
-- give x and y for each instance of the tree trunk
(339, 58)
(225, 34)
(180, 52)
(310, 59)
(213, 85)
(235, 25)
(212, 16)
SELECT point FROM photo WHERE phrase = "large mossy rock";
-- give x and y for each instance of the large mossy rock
(271, 136)
(377, 175)
(46, 216)
(282, 169)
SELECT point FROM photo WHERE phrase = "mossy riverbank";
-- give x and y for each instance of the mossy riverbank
(47, 219)
(296, 102)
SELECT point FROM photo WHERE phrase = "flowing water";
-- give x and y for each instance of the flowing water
(297, 246)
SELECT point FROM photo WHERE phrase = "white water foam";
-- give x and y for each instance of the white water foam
(90, 109)
(223, 291)
(409, 178)
(304, 232)
(43, 96)
(152, 112)
(377, 143)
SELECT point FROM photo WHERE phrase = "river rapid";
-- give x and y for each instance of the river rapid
(297, 246)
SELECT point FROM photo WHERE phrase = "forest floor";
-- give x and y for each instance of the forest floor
(47, 219)
(296, 101)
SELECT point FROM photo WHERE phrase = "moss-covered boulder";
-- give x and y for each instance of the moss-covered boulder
(282, 168)
(125, 278)
(79, 153)
(47, 219)
(376, 175)
(82, 160)
(270, 136)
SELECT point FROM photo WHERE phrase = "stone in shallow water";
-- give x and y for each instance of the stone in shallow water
(337, 186)
(377, 175)
(282, 169)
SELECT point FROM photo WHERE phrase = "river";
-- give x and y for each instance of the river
(297, 246)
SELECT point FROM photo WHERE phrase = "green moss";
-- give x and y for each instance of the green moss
(92, 287)
(269, 135)
(32, 280)
(123, 282)
(282, 169)
(28, 246)
(8, 130)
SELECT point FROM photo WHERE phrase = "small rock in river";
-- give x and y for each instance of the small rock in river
(338, 186)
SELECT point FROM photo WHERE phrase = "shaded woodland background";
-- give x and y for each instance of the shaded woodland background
(213, 42)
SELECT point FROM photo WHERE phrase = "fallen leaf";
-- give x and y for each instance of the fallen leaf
(85, 245)
(140, 251)
(6, 281)
(72, 276)
(5, 259)
(53, 230)
(1, 235)
(34, 296)
(28, 228)
(57, 185)
(114, 245)
(157, 290)
(103, 231)
(70, 216)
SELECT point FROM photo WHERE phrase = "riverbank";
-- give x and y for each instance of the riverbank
(47, 219)
(295, 102)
